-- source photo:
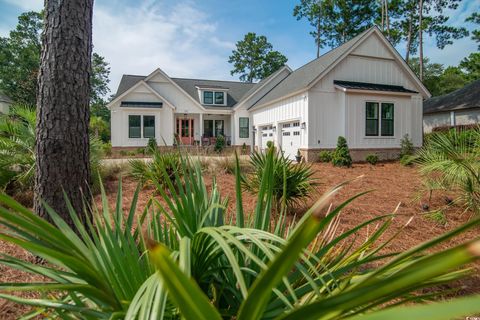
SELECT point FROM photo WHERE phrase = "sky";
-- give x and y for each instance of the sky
(194, 39)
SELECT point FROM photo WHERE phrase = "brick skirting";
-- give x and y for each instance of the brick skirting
(358, 155)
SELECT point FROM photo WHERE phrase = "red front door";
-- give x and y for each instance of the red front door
(185, 131)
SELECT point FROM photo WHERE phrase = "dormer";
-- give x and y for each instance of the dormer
(211, 95)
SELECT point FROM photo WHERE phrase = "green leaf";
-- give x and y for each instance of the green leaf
(185, 293)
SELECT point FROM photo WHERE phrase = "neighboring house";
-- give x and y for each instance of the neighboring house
(5, 103)
(460, 107)
(362, 90)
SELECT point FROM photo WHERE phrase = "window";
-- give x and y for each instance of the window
(371, 128)
(286, 133)
(387, 119)
(149, 126)
(208, 97)
(244, 127)
(296, 124)
(379, 119)
(219, 97)
(219, 128)
(214, 97)
(286, 125)
(134, 127)
(296, 133)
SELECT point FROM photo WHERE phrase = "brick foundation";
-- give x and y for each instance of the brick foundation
(193, 150)
(358, 155)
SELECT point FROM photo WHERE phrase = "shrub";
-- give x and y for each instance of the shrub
(270, 144)
(17, 150)
(140, 151)
(406, 147)
(123, 153)
(162, 166)
(341, 156)
(202, 265)
(133, 153)
(372, 159)
(450, 162)
(107, 148)
(219, 144)
(244, 148)
(293, 183)
(325, 156)
(151, 145)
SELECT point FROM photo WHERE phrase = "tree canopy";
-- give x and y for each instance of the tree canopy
(20, 62)
(254, 58)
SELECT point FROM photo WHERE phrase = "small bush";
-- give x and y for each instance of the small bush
(131, 153)
(162, 166)
(341, 155)
(325, 156)
(270, 144)
(151, 145)
(244, 148)
(406, 146)
(219, 144)
(372, 159)
(124, 153)
(407, 160)
(140, 151)
(107, 148)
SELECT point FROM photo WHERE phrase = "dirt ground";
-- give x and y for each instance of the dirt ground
(391, 185)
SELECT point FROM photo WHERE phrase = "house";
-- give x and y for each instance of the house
(5, 103)
(362, 90)
(460, 107)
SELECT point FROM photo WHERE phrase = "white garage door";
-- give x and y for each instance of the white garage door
(290, 139)
(266, 135)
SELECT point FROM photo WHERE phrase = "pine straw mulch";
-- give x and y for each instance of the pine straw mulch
(391, 183)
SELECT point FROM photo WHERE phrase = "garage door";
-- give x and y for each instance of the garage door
(290, 139)
(266, 135)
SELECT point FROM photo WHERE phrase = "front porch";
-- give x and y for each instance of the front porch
(202, 129)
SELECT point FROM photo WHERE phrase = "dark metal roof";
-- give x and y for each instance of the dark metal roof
(467, 97)
(371, 86)
(141, 104)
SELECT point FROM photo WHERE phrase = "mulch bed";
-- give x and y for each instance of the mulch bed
(392, 185)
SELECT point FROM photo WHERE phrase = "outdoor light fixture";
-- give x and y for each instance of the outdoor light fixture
(274, 128)
(304, 125)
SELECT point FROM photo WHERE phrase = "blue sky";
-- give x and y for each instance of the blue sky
(188, 38)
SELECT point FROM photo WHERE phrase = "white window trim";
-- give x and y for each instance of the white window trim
(379, 136)
(141, 125)
(202, 92)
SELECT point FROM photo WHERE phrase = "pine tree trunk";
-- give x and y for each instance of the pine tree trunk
(420, 38)
(387, 20)
(318, 36)
(409, 40)
(62, 142)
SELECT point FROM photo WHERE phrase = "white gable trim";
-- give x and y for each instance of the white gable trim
(160, 71)
(138, 84)
(279, 71)
(423, 90)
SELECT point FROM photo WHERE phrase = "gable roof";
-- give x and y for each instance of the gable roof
(128, 81)
(307, 75)
(467, 97)
(236, 89)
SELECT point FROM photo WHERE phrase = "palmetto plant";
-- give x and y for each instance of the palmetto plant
(162, 167)
(17, 149)
(451, 161)
(214, 265)
(292, 183)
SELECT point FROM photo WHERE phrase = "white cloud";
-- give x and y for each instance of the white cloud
(180, 39)
(28, 5)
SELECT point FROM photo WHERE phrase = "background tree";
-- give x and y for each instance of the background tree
(475, 18)
(312, 11)
(432, 73)
(255, 59)
(471, 66)
(62, 140)
(20, 62)
(19, 59)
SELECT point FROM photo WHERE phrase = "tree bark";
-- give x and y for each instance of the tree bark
(387, 20)
(409, 38)
(318, 33)
(62, 141)
(420, 38)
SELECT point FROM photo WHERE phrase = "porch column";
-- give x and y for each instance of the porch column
(233, 136)
(200, 126)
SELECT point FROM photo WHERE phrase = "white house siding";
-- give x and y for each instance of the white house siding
(407, 120)
(460, 117)
(236, 140)
(326, 112)
(4, 107)
(286, 110)
(119, 120)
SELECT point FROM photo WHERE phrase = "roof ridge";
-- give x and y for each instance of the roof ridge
(234, 81)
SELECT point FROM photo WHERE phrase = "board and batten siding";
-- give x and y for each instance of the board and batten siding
(407, 120)
(119, 120)
(293, 108)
